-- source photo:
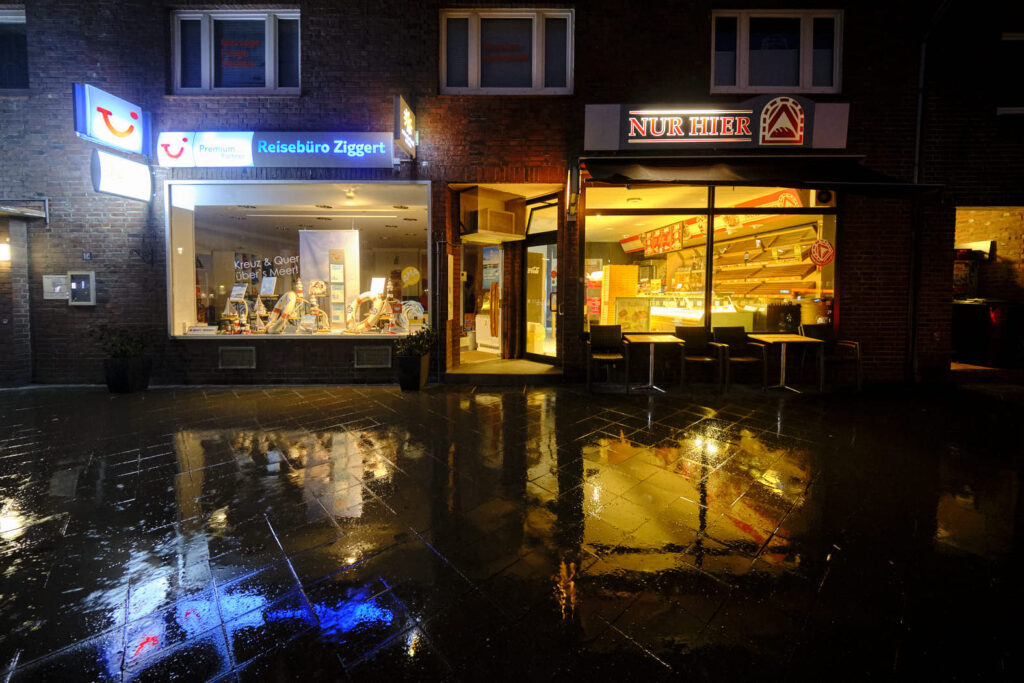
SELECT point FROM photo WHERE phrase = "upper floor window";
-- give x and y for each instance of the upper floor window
(236, 52)
(1011, 51)
(506, 52)
(776, 51)
(13, 50)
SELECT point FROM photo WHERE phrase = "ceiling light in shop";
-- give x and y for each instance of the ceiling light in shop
(633, 200)
(323, 206)
(400, 207)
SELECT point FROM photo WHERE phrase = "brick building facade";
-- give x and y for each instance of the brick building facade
(893, 252)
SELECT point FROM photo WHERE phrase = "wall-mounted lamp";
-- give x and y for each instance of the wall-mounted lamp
(5, 251)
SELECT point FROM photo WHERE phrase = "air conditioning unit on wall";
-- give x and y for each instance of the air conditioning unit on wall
(490, 226)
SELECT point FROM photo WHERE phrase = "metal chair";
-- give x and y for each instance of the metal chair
(834, 351)
(739, 350)
(697, 349)
(605, 347)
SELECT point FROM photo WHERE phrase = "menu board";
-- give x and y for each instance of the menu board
(663, 240)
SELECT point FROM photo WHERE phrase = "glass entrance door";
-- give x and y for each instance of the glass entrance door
(541, 298)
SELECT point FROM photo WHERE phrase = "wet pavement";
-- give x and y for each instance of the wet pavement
(335, 533)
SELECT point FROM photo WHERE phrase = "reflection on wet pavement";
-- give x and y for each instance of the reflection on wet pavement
(457, 534)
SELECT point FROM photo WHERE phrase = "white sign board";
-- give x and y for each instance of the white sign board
(55, 287)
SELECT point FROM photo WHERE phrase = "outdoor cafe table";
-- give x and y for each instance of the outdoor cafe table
(652, 340)
(782, 340)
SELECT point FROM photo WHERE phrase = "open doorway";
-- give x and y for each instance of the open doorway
(507, 312)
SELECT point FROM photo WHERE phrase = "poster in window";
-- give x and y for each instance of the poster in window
(491, 267)
(241, 54)
(633, 314)
(506, 53)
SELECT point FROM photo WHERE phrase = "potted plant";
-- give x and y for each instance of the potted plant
(413, 352)
(127, 365)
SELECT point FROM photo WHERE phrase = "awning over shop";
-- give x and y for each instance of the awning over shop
(842, 173)
(23, 208)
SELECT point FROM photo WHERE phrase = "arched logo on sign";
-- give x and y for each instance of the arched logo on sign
(822, 253)
(782, 122)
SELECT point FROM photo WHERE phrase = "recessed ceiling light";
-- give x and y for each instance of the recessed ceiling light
(323, 206)
(390, 226)
(323, 218)
(399, 207)
(409, 219)
(634, 200)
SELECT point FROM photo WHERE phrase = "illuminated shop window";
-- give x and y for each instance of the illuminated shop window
(298, 260)
(506, 52)
(236, 52)
(776, 51)
(646, 258)
(13, 51)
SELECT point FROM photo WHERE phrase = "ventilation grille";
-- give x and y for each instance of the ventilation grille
(377, 356)
(236, 358)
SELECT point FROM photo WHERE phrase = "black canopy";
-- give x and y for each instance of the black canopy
(842, 173)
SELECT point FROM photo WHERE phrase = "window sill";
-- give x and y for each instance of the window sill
(321, 336)
(237, 93)
(518, 92)
(777, 90)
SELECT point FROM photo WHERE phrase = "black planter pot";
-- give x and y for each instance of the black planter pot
(413, 371)
(125, 375)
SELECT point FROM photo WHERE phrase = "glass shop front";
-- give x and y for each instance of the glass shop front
(294, 260)
(658, 256)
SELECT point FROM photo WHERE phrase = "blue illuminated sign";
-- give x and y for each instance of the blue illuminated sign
(222, 149)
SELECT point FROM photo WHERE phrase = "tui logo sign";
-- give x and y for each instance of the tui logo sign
(109, 120)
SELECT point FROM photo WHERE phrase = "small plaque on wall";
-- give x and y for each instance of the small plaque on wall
(55, 287)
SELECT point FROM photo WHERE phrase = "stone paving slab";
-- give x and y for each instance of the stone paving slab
(469, 533)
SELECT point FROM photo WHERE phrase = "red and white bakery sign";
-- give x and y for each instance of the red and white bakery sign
(822, 253)
(663, 240)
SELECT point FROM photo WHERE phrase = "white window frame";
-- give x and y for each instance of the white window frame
(13, 16)
(537, 16)
(807, 18)
(269, 18)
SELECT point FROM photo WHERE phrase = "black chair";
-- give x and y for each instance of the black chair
(605, 347)
(698, 350)
(739, 350)
(834, 351)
